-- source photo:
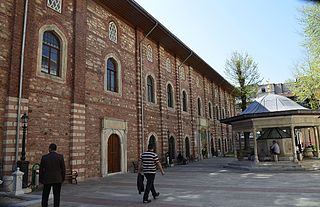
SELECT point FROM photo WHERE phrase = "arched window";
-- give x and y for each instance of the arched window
(113, 32)
(172, 148)
(112, 70)
(170, 96)
(50, 61)
(187, 145)
(150, 89)
(217, 112)
(149, 53)
(210, 110)
(182, 73)
(223, 113)
(168, 65)
(153, 142)
(184, 101)
(199, 107)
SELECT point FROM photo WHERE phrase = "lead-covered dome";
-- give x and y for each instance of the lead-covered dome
(272, 103)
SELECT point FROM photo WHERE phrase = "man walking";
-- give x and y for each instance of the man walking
(149, 160)
(275, 150)
(52, 174)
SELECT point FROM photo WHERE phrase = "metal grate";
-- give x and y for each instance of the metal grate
(113, 32)
(55, 5)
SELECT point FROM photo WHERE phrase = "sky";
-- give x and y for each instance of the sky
(268, 30)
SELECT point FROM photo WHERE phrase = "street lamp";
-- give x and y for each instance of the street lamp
(24, 119)
(22, 163)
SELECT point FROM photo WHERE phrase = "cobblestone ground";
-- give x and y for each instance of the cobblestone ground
(204, 183)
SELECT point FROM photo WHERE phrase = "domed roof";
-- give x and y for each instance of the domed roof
(272, 103)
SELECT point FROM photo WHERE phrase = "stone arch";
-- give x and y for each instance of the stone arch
(118, 128)
(172, 148)
(152, 138)
(119, 74)
(187, 147)
(114, 154)
(63, 55)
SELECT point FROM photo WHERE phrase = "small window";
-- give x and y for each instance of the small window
(263, 90)
(150, 89)
(184, 101)
(170, 96)
(113, 32)
(112, 70)
(199, 107)
(149, 53)
(198, 81)
(55, 5)
(50, 63)
(153, 142)
(168, 65)
(182, 73)
(217, 113)
(210, 110)
(223, 113)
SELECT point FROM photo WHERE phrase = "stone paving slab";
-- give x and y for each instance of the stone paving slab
(204, 183)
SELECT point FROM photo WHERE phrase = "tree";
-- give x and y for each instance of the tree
(243, 72)
(306, 87)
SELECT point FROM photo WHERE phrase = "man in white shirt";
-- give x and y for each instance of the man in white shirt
(149, 161)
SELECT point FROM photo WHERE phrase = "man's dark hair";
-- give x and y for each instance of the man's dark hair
(150, 146)
(53, 147)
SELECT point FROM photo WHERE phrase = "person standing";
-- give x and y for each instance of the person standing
(52, 174)
(149, 161)
(275, 150)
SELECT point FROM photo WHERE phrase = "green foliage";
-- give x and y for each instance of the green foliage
(311, 23)
(306, 87)
(243, 72)
(307, 84)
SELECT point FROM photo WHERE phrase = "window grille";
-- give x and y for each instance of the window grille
(55, 5)
(113, 32)
(168, 65)
(182, 73)
(149, 53)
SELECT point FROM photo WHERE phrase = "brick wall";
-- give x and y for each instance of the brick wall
(69, 112)
(6, 24)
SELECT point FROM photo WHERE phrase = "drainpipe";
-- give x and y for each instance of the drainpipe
(141, 91)
(21, 78)
(185, 60)
(179, 94)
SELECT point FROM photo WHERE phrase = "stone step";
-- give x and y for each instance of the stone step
(265, 166)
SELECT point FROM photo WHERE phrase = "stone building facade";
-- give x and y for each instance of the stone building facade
(102, 79)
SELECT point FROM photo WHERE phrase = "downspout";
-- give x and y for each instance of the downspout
(141, 87)
(21, 78)
(191, 53)
(179, 97)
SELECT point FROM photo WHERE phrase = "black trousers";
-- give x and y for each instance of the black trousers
(150, 185)
(56, 194)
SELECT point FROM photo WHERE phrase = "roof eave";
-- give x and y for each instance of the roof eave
(133, 13)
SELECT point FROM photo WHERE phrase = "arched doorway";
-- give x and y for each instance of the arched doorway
(212, 146)
(114, 154)
(152, 140)
(171, 149)
(187, 144)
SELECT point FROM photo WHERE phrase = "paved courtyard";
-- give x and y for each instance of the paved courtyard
(204, 183)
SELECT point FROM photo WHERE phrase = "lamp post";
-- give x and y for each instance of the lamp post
(22, 163)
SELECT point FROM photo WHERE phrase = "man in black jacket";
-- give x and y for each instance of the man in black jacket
(52, 174)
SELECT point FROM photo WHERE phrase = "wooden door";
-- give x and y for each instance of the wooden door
(114, 156)
(171, 149)
(187, 144)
